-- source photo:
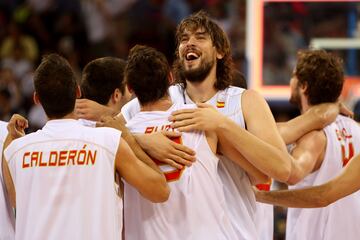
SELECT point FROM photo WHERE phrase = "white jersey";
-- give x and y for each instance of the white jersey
(7, 218)
(340, 219)
(196, 208)
(237, 187)
(64, 180)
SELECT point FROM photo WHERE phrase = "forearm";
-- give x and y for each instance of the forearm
(274, 162)
(139, 152)
(295, 128)
(302, 198)
(9, 184)
(255, 175)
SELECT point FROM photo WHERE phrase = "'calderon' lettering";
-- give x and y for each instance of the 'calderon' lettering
(59, 158)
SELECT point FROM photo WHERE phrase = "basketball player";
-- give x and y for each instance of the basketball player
(104, 93)
(320, 155)
(103, 82)
(203, 67)
(64, 174)
(197, 207)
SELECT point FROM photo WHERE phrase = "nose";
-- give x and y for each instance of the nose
(191, 41)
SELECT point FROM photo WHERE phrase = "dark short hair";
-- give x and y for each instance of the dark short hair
(147, 74)
(323, 74)
(55, 84)
(101, 77)
(219, 39)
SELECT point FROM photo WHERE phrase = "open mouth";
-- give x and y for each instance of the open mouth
(190, 56)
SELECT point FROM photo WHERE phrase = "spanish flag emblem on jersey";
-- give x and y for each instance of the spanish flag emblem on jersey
(220, 101)
(220, 104)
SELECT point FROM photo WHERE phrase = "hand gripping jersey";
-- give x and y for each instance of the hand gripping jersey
(196, 208)
(7, 218)
(240, 198)
(340, 219)
(64, 181)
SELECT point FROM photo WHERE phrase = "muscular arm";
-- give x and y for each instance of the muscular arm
(150, 183)
(260, 144)
(346, 183)
(308, 155)
(316, 118)
(255, 175)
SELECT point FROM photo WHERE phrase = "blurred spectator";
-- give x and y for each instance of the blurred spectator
(15, 39)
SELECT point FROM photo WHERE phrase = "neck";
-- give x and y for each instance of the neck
(304, 104)
(67, 116)
(162, 104)
(202, 91)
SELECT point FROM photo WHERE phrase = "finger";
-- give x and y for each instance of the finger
(185, 158)
(171, 134)
(181, 116)
(188, 128)
(183, 123)
(188, 110)
(180, 161)
(173, 163)
(189, 154)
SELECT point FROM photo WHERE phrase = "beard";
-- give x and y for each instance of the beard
(198, 74)
(295, 97)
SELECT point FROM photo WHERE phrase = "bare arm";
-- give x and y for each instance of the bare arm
(255, 175)
(315, 118)
(91, 110)
(160, 146)
(150, 183)
(118, 123)
(346, 183)
(308, 155)
(16, 127)
(261, 145)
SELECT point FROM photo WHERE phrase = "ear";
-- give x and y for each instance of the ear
(78, 92)
(116, 95)
(219, 55)
(36, 98)
(303, 88)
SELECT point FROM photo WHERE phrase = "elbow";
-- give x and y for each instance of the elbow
(293, 180)
(260, 179)
(163, 195)
(161, 192)
(283, 174)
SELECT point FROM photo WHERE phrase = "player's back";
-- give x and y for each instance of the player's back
(335, 221)
(64, 180)
(196, 208)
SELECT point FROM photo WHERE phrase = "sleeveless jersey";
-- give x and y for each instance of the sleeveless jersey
(340, 219)
(64, 180)
(7, 218)
(237, 187)
(196, 208)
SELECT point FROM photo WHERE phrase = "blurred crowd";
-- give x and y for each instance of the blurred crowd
(289, 27)
(82, 30)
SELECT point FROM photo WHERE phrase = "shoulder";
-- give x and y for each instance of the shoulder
(313, 140)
